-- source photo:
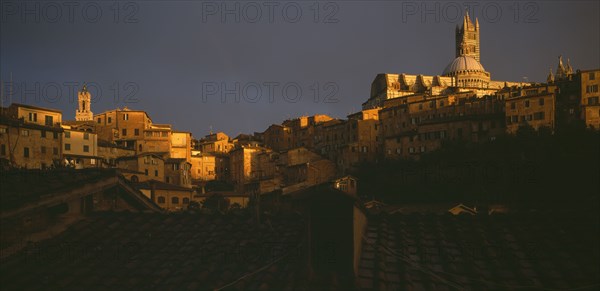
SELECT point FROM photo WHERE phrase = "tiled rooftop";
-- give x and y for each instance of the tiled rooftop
(546, 251)
(18, 188)
(119, 251)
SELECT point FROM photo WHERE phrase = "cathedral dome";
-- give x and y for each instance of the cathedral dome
(463, 64)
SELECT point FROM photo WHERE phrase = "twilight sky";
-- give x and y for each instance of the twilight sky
(194, 65)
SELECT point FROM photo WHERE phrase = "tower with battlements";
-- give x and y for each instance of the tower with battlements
(84, 100)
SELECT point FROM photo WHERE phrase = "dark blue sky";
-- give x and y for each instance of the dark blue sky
(171, 54)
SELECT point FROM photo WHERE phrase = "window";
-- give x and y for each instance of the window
(67, 147)
(155, 173)
(592, 76)
(591, 89)
(49, 120)
(136, 131)
(86, 149)
(541, 102)
(526, 103)
(99, 120)
(126, 116)
(538, 115)
(593, 101)
(55, 135)
(2, 130)
(32, 116)
(55, 151)
(67, 134)
(422, 149)
(161, 200)
(513, 105)
(411, 150)
(109, 119)
(175, 200)
(124, 131)
(168, 179)
(186, 200)
(25, 132)
(86, 136)
(515, 118)
(3, 150)
(43, 149)
(26, 152)
(43, 133)
(146, 171)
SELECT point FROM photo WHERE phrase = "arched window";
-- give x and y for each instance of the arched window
(135, 179)
(175, 200)
(186, 200)
(161, 200)
(140, 147)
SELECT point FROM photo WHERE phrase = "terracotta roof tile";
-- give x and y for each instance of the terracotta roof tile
(159, 251)
(441, 252)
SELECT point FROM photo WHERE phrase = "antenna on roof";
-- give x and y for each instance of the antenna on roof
(11, 86)
(1, 94)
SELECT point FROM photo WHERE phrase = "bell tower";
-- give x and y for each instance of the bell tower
(467, 38)
(83, 112)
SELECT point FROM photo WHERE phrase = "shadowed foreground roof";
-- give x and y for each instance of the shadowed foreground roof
(118, 251)
(20, 187)
(547, 251)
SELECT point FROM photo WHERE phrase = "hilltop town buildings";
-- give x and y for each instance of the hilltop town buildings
(405, 117)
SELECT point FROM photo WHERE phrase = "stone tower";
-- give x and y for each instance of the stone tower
(83, 112)
(467, 38)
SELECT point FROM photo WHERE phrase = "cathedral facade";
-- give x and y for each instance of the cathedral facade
(464, 73)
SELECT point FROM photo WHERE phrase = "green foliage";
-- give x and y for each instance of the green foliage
(530, 169)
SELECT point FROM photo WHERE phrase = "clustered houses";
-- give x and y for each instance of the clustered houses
(408, 115)
(404, 117)
(30, 137)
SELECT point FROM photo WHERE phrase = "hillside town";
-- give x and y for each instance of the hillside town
(112, 196)
(405, 117)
